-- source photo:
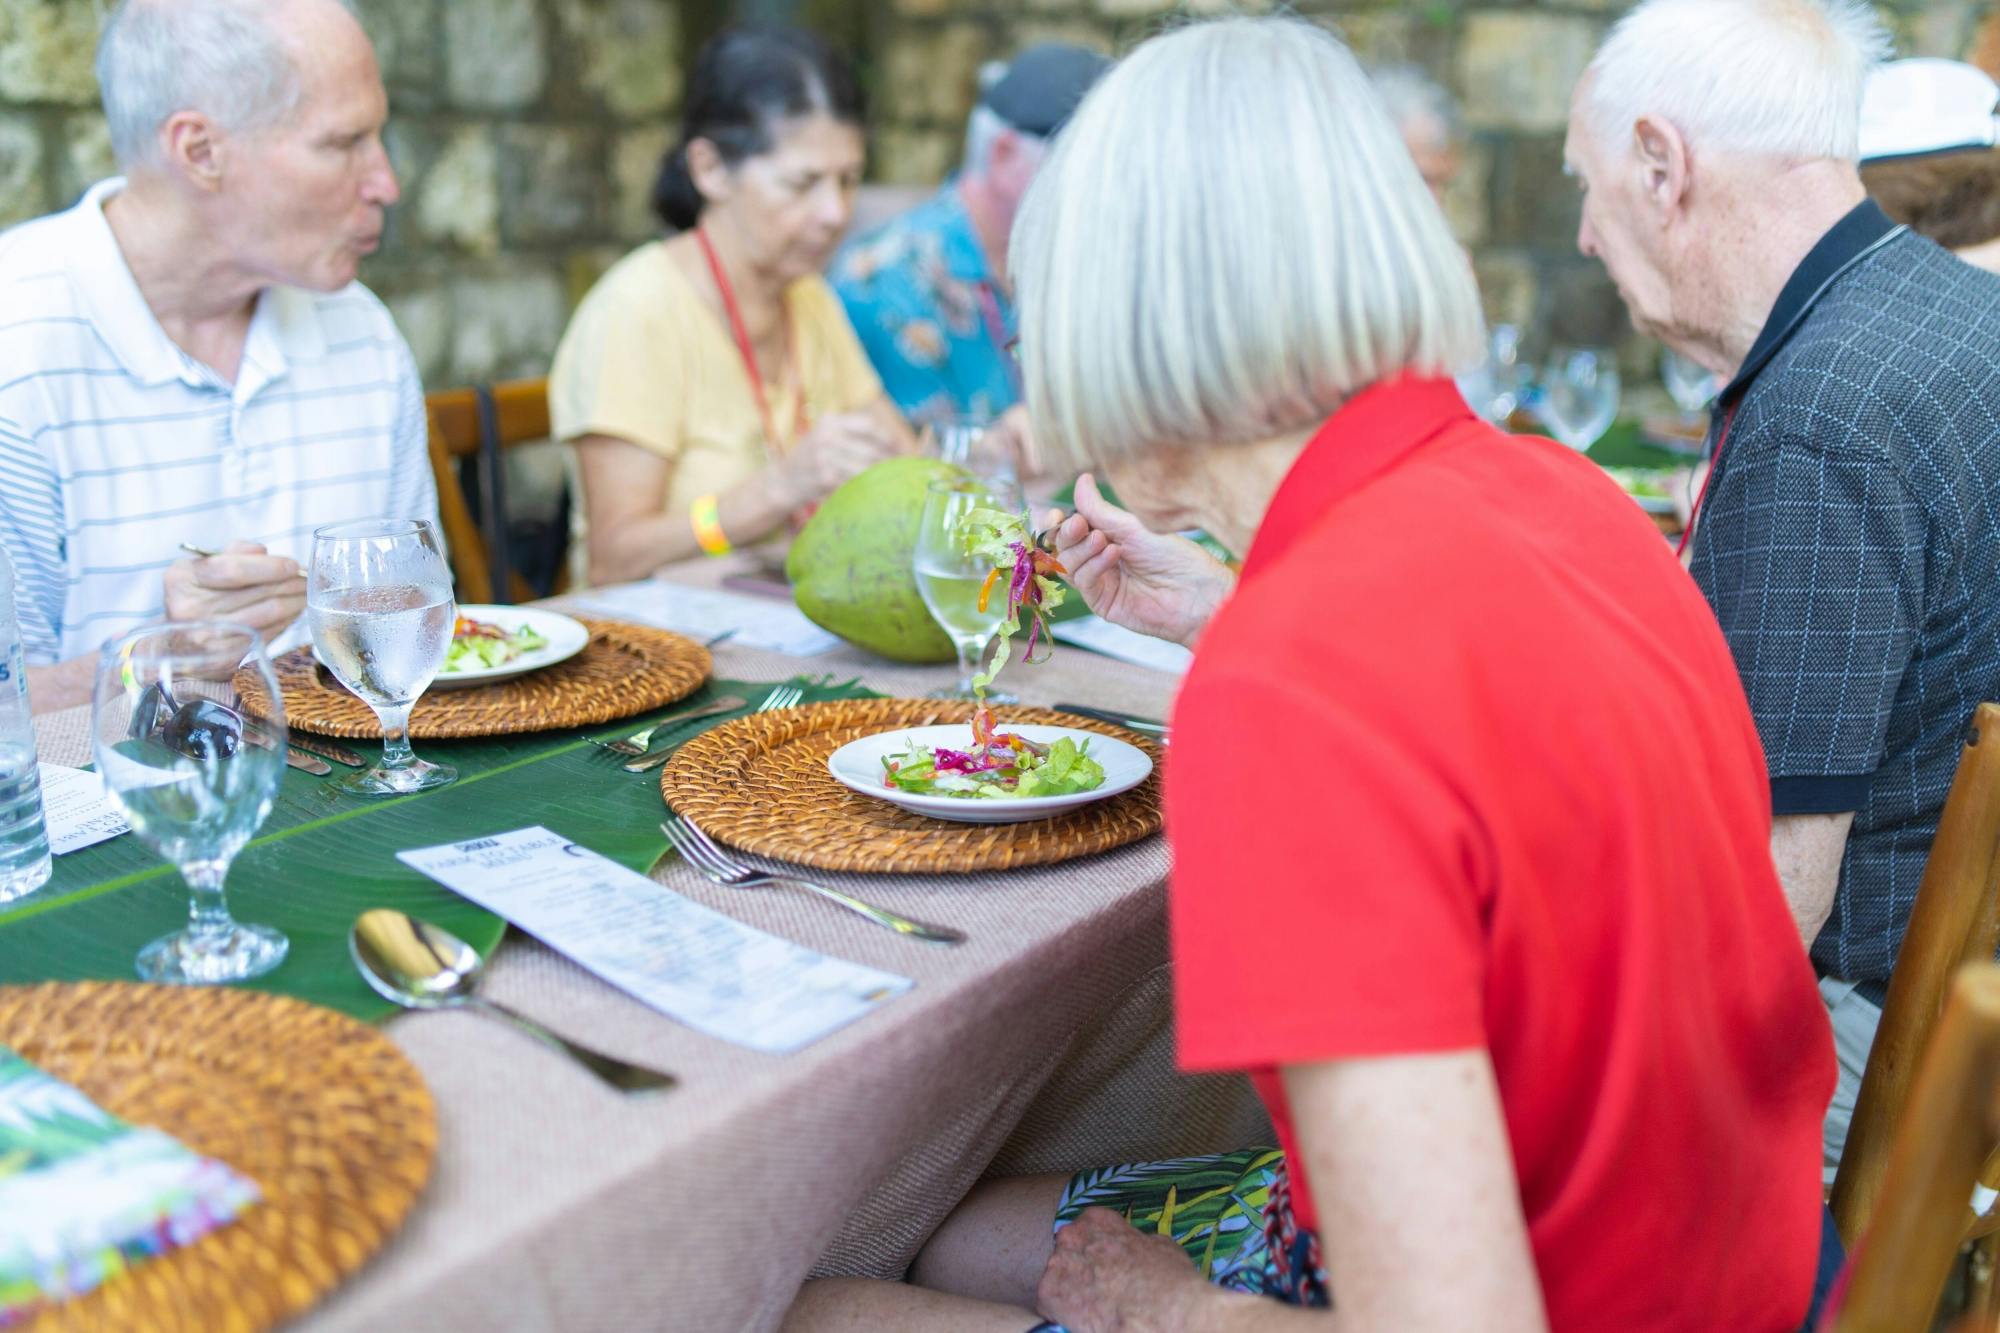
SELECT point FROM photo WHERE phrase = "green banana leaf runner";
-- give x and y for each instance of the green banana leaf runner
(321, 860)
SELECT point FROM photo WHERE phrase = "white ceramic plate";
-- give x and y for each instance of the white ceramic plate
(566, 638)
(858, 765)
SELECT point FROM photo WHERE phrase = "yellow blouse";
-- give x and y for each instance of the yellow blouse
(645, 360)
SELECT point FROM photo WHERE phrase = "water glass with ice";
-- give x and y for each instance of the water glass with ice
(379, 604)
(24, 839)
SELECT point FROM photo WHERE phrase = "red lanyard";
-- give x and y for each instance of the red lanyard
(996, 330)
(729, 306)
(1714, 462)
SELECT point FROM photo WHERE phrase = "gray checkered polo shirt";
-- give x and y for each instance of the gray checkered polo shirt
(1850, 545)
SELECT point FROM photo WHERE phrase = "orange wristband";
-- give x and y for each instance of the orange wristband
(706, 516)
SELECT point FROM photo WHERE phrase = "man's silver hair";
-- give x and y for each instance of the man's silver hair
(223, 58)
(1772, 77)
(1415, 98)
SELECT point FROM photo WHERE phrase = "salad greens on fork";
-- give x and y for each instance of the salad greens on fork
(999, 764)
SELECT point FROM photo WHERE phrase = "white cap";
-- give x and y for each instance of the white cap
(1927, 106)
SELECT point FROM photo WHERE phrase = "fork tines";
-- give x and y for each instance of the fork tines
(781, 696)
(630, 747)
(696, 849)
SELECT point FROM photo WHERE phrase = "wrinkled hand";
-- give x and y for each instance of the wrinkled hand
(1105, 1277)
(1156, 584)
(836, 448)
(245, 583)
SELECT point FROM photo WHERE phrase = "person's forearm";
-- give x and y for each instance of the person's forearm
(748, 512)
(1807, 851)
(61, 684)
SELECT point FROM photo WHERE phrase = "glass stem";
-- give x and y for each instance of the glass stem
(208, 910)
(396, 751)
(968, 662)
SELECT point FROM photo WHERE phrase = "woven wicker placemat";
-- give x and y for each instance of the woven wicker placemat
(328, 1117)
(760, 783)
(624, 670)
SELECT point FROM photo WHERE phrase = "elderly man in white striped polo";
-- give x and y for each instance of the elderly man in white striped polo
(185, 355)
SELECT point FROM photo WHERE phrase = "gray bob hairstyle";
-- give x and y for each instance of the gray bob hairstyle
(1226, 242)
(224, 58)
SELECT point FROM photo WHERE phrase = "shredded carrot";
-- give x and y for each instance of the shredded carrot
(986, 588)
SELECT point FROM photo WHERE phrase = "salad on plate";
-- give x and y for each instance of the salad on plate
(480, 645)
(1000, 765)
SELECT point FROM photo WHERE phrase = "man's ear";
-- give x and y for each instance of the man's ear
(1664, 166)
(1014, 159)
(194, 148)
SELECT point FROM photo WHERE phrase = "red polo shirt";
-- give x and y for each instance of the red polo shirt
(1465, 763)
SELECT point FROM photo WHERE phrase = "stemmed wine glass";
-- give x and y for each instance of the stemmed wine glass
(1494, 387)
(970, 443)
(949, 579)
(378, 599)
(196, 775)
(1690, 386)
(1580, 395)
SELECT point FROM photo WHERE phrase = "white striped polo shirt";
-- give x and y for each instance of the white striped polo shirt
(116, 446)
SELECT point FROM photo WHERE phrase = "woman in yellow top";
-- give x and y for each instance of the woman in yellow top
(711, 382)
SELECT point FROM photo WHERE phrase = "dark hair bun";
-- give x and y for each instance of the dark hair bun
(746, 80)
(674, 197)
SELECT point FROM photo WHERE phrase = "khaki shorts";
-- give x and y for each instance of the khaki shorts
(1855, 1018)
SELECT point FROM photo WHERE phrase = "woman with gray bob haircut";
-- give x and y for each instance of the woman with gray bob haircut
(1440, 884)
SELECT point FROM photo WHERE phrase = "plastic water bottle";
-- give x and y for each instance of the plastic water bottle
(24, 839)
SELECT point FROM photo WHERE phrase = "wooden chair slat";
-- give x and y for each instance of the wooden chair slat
(521, 412)
(1956, 920)
(1947, 1129)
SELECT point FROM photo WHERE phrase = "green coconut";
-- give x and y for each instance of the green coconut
(850, 564)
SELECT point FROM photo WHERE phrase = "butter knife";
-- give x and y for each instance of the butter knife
(340, 754)
(307, 763)
(1115, 719)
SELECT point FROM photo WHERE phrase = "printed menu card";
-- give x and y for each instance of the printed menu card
(691, 963)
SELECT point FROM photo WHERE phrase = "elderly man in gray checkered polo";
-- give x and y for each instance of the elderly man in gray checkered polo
(1848, 535)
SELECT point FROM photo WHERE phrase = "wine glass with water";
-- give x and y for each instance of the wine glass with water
(196, 775)
(1690, 385)
(1494, 388)
(949, 579)
(378, 600)
(1580, 395)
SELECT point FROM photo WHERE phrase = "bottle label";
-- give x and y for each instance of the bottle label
(14, 670)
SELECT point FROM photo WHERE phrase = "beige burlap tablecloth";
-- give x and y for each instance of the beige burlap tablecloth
(1045, 1043)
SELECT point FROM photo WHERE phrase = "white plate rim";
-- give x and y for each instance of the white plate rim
(956, 809)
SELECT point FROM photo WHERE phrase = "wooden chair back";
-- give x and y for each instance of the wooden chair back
(1956, 920)
(1947, 1130)
(472, 427)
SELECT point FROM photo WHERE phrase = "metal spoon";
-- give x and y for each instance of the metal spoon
(421, 966)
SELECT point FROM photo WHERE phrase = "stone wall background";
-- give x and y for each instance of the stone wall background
(526, 133)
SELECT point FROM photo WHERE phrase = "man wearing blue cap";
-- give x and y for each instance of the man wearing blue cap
(928, 291)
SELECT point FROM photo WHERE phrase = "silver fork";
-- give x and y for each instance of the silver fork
(781, 696)
(701, 852)
(640, 741)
